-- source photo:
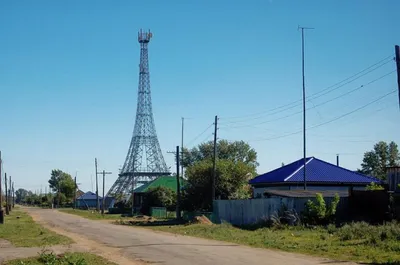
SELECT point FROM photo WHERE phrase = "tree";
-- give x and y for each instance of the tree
(237, 151)
(159, 197)
(63, 184)
(20, 195)
(383, 155)
(231, 182)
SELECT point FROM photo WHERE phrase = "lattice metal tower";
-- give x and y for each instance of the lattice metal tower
(144, 161)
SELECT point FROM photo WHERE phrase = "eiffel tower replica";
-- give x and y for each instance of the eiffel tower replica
(144, 161)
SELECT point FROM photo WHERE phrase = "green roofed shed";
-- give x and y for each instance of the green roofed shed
(165, 181)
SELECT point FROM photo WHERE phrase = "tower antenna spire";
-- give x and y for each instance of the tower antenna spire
(144, 161)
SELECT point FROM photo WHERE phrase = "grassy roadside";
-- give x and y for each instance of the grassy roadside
(20, 229)
(93, 215)
(67, 258)
(320, 242)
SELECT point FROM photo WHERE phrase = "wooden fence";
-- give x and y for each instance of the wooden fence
(245, 212)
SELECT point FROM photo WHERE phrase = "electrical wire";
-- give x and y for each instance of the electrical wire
(199, 135)
(317, 94)
(318, 105)
(327, 122)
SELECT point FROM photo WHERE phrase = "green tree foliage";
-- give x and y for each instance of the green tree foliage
(231, 182)
(237, 151)
(159, 197)
(383, 155)
(20, 195)
(62, 183)
(317, 213)
(374, 186)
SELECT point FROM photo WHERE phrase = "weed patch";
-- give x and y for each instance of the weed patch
(20, 229)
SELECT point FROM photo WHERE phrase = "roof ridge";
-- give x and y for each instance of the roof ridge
(297, 170)
(355, 172)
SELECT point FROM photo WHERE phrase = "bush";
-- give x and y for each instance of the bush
(317, 213)
(372, 234)
(374, 186)
(159, 197)
(284, 217)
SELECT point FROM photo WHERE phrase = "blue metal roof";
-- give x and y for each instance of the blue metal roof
(317, 171)
(88, 196)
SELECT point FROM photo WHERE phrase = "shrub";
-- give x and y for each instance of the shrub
(318, 213)
(374, 186)
(159, 197)
(284, 217)
(372, 234)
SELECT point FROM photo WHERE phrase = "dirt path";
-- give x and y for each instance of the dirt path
(128, 245)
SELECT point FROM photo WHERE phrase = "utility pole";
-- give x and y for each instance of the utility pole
(104, 184)
(214, 162)
(9, 196)
(397, 49)
(1, 195)
(183, 122)
(304, 107)
(178, 187)
(97, 187)
(75, 192)
(133, 187)
(5, 183)
(13, 195)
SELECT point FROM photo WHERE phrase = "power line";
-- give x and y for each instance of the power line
(327, 122)
(321, 104)
(316, 95)
(199, 135)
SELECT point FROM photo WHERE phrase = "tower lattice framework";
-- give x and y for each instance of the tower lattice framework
(144, 161)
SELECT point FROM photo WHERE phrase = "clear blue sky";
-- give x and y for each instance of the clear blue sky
(69, 75)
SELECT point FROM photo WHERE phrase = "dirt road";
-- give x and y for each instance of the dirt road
(129, 245)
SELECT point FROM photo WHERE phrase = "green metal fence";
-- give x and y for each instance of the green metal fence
(158, 212)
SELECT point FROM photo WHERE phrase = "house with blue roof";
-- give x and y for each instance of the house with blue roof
(320, 176)
(88, 200)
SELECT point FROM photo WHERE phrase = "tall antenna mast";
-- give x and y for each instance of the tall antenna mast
(304, 108)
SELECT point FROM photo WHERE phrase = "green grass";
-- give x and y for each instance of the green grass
(93, 215)
(68, 258)
(24, 232)
(330, 243)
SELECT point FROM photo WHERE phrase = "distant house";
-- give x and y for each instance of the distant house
(164, 181)
(320, 175)
(79, 193)
(88, 200)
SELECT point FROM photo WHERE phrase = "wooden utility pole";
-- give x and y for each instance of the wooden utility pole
(133, 187)
(97, 187)
(1, 195)
(104, 184)
(9, 195)
(214, 162)
(397, 49)
(13, 195)
(183, 123)
(75, 193)
(5, 183)
(178, 187)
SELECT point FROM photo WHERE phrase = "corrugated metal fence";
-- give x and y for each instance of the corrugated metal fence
(244, 212)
